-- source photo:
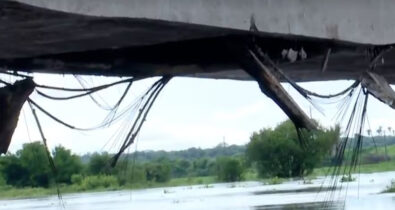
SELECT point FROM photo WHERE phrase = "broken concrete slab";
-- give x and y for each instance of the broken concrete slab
(12, 98)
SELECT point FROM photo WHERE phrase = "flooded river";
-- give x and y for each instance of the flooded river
(363, 194)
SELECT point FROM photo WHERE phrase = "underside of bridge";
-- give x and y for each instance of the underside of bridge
(141, 39)
(35, 39)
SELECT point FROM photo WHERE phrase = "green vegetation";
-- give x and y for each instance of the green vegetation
(12, 192)
(25, 192)
(366, 165)
(275, 180)
(98, 182)
(28, 172)
(66, 164)
(158, 171)
(191, 154)
(229, 169)
(363, 168)
(347, 178)
(390, 188)
(271, 157)
(277, 152)
(28, 167)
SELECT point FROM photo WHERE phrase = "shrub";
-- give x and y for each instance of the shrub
(273, 181)
(2, 181)
(129, 174)
(390, 188)
(229, 169)
(347, 178)
(158, 171)
(100, 164)
(100, 181)
(76, 179)
(375, 158)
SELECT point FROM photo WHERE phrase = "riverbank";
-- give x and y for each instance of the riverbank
(366, 168)
(7, 192)
(363, 194)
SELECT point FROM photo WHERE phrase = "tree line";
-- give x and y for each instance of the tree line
(271, 152)
(29, 167)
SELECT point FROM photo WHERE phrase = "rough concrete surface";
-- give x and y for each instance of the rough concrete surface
(364, 21)
(200, 38)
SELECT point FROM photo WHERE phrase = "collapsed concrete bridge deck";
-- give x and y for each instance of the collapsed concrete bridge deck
(264, 40)
(193, 38)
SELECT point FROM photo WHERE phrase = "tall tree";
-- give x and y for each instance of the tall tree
(158, 171)
(99, 163)
(66, 164)
(277, 152)
(13, 171)
(34, 159)
(380, 131)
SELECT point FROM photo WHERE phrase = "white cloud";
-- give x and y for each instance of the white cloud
(241, 112)
(189, 113)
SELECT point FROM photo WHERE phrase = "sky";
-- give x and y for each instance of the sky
(188, 113)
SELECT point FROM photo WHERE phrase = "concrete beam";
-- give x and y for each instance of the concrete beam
(362, 21)
(198, 38)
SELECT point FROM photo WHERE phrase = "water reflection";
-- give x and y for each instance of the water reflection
(304, 206)
(363, 194)
(303, 190)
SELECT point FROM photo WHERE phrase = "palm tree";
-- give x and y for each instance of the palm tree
(381, 131)
(369, 131)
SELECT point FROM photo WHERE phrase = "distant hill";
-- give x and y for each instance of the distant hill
(376, 141)
(193, 153)
(190, 154)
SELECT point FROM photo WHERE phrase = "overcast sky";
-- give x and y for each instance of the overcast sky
(188, 113)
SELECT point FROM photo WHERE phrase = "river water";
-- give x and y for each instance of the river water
(362, 194)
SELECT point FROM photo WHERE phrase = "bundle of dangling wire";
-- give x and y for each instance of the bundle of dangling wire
(145, 103)
(352, 108)
(142, 106)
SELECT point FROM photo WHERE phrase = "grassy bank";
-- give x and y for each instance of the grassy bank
(11, 192)
(366, 168)
(7, 192)
(27, 192)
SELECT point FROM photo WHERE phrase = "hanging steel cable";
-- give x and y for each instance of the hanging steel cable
(107, 121)
(140, 119)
